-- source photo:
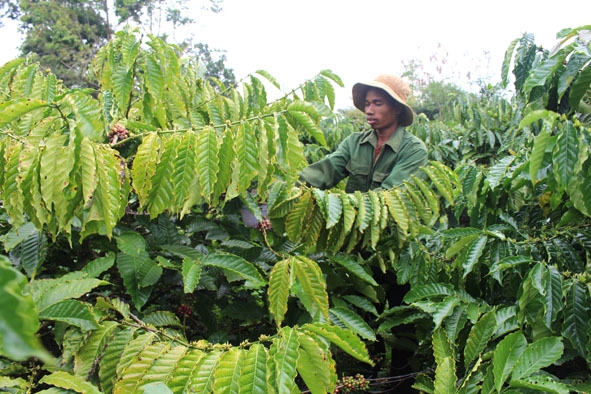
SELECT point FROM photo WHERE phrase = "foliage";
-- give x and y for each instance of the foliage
(65, 35)
(144, 163)
(131, 261)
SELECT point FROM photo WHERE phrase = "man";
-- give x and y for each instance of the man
(376, 159)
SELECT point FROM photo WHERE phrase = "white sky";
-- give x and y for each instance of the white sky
(294, 39)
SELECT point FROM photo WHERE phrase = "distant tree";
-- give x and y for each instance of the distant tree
(8, 9)
(65, 35)
(215, 63)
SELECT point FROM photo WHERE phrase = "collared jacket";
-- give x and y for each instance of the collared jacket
(402, 155)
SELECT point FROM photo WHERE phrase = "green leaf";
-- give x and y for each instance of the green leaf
(461, 244)
(246, 156)
(351, 320)
(430, 290)
(507, 61)
(13, 197)
(579, 189)
(361, 303)
(499, 171)
(334, 209)
(268, 77)
(144, 166)
(70, 382)
(162, 319)
(285, 354)
(325, 89)
(304, 119)
(479, 336)
(506, 263)
(14, 109)
(444, 310)
(31, 252)
(87, 115)
(130, 378)
(73, 312)
(226, 155)
(16, 235)
(191, 272)
(111, 357)
(162, 187)
(278, 291)
(183, 177)
(228, 370)
(202, 379)
(296, 218)
(253, 377)
(553, 297)
(47, 292)
(132, 349)
(539, 74)
(566, 154)
(445, 372)
(538, 151)
(122, 85)
(110, 197)
(154, 78)
(183, 251)
(442, 348)
(135, 271)
(428, 194)
(506, 355)
(115, 304)
(542, 383)
(155, 388)
(315, 365)
(207, 161)
(441, 181)
(580, 87)
(473, 254)
(86, 356)
(575, 327)
(540, 354)
(397, 209)
(353, 267)
(548, 116)
(314, 296)
(185, 371)
(18, 317)
(344, 339)
(236, 265)
(131, 243)
(13, 383)
(56, 163)
(97, 266)
(364, 211)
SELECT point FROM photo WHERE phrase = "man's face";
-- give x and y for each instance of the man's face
(380, 111)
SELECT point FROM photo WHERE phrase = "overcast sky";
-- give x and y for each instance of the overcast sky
(294, 40)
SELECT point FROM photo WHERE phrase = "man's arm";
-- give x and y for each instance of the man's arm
(329, 171)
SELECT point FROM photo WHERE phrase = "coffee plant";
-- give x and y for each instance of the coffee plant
(130, 266)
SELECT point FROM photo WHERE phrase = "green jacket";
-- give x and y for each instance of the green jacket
(401, 156)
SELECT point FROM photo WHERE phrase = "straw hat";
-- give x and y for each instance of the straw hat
(391, 84)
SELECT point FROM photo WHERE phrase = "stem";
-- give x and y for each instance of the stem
(144, 326)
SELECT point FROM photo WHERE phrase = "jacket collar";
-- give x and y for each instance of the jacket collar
(393, 142)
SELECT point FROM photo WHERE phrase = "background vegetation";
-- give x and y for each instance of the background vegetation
(130, 264)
